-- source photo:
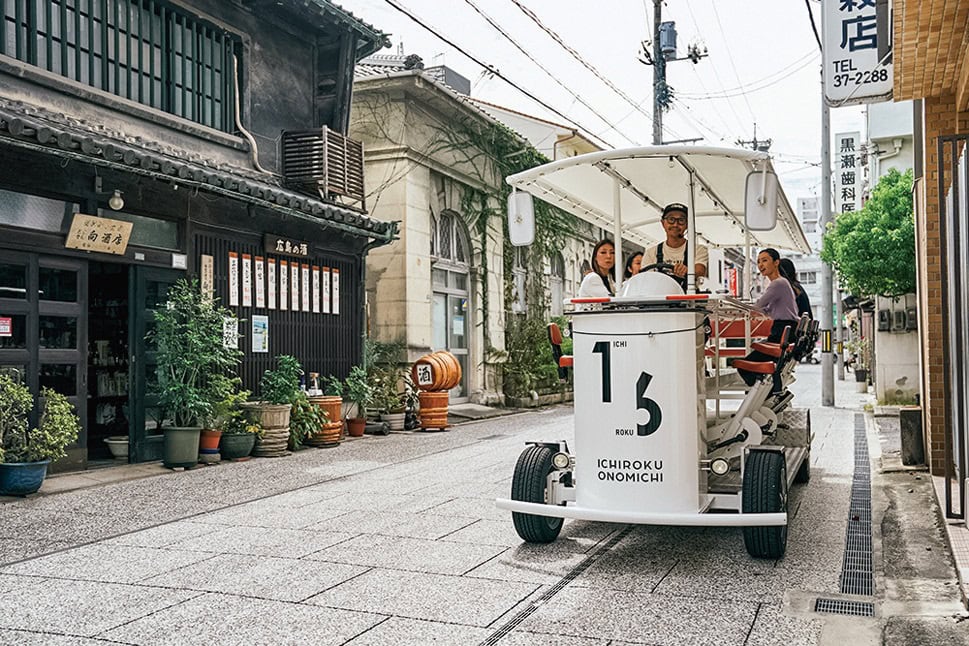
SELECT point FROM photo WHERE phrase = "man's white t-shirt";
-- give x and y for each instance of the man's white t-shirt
(674, 255)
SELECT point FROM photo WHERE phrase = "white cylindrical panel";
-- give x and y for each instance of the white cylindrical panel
(637, 443)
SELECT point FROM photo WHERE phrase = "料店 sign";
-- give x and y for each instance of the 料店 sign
(92, 233)
(852, 71)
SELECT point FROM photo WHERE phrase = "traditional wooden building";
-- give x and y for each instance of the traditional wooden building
(146, 140)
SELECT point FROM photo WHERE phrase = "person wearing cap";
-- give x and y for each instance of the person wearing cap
(675, 249)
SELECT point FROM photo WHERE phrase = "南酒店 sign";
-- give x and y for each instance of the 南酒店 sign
(91, 233)
(852, 70)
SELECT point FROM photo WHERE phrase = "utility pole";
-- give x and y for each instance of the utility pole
(664, 52)
(827, 356)
(762, 145)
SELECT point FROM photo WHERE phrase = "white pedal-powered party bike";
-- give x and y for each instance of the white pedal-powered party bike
(664, 433)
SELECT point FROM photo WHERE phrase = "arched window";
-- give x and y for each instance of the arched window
(450, 277)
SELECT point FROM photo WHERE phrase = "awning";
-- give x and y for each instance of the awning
(652, 177)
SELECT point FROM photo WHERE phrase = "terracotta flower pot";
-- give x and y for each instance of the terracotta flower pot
(356, 426)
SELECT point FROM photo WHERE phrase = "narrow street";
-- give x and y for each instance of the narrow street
(396, 540)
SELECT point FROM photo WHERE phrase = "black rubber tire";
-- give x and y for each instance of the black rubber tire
(528, 485)
(803, 474)
(765, 492)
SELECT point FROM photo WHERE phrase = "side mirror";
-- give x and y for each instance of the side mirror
(521, 219)
(760, 201)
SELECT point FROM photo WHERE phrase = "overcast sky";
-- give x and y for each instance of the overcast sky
(763, 67)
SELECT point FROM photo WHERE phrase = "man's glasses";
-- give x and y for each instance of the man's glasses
(672, 220)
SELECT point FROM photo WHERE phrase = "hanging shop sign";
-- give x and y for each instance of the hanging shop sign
(260, 282)
(281, 245)
(847, 172)
(271, 282)
(6, 326)
(316, 289)
(336, 291)
(246, 280)
(294, 286)
(93, 233)
(283, 284)
(260, 333)
(233, 279)
(853, 72)
(326, 290)
(207, 270)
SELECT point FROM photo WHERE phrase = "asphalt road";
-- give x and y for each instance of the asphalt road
(396, 540)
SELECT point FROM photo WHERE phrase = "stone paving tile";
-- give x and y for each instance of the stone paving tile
(644, 618)
(24, 638)
(262, 541)
(303, 497)
(266, 514)
(106, 563)
(748, 580)
(82, 608)
(540, 564)
(368, 501)
(626, 570)
(469, 508)
(224, 619)
(397, 630)
(433, 597)
(392, 524)
(523, 638)
(774, 627)
(281, 579)
(474, 489)
(163, 535)
(579, 536)
(408, 554)
(17, 549)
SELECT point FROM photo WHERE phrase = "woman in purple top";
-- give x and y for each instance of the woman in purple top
(777, 302)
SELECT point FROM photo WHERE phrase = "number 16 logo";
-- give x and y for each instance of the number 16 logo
(642, 401)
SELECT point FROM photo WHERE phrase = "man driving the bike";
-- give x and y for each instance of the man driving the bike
(674, 250)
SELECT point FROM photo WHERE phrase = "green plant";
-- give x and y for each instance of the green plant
(59, 424)
(192, 359)
(874, 249)
(530, 366)
(332, 386)
(305, 420)
(228, 414)
(281, 385)
(387, 396)
(358, 389)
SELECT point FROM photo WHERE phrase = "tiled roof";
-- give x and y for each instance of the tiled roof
(36, 128)
(377, 38)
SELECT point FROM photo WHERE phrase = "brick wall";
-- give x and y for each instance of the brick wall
(941, 118)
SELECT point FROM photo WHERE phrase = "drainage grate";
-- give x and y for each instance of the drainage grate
(838, 607)
(528, 610)
(856, 572)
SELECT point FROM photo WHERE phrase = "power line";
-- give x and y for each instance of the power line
(726, 46)
(490, 68)
(552, 76)
(558, 39)
(807, 57)
(751, 90)
(813, 25)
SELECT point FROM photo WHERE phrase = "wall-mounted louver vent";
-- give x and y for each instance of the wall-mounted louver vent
(325, 164)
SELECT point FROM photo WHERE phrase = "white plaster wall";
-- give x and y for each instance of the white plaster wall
(896, 357)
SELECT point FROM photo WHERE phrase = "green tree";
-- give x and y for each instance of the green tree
(873, 250)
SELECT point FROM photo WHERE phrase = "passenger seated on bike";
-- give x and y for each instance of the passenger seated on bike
(600, 282)
(779, 304)
(674, 250)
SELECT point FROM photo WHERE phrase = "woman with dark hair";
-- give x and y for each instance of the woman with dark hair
(633, 263)
(779, 304)
(789, 272)
(599, 282)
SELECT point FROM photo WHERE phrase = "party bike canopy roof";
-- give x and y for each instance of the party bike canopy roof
(649, 178)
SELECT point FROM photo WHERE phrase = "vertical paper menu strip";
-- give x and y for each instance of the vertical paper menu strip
(336, 291)
(306, 287)
(283, 284)
(315, 290)
(233, 279)
(294, 286)
(271, 282)
(246, 280)
(208, 276)
(326, 290)
(260, 282)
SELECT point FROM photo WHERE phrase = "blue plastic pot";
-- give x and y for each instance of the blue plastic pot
(22, 478)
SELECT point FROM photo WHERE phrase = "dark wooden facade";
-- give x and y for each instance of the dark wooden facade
(82, 119)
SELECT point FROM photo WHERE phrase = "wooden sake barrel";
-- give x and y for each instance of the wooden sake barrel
(452, 368)
(436, 371)
(274, 420)
(433, 412)
(331, 431)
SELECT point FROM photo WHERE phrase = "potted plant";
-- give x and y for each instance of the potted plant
(192, 360)
(239, 433)
(278, 388)
(331, 405)
(389, 400)
(305, 421)
(359, 391)
(859, 349)
(25, 452)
